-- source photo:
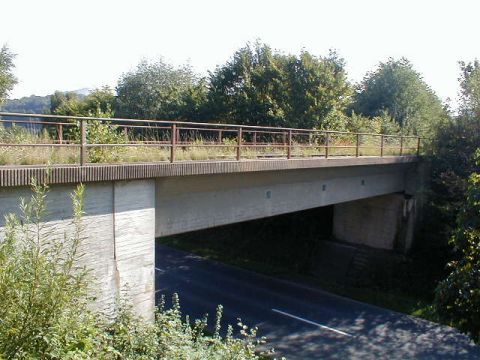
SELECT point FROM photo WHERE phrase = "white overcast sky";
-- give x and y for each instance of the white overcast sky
(73, 44)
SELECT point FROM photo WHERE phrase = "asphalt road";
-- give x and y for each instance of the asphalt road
(299, 321)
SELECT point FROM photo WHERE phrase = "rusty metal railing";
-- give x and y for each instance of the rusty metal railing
(83, 140)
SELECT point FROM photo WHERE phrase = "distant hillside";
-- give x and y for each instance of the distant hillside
(36, 104)
(30, 105)
(81, 92)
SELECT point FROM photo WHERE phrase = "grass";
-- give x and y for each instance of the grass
(36, 150)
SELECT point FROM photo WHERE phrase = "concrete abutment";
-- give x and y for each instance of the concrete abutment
(381, 222)
(118, 230)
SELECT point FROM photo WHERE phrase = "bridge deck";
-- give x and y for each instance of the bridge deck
(64, 174)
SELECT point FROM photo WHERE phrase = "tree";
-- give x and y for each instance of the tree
(452, 158)
(453, 208)
(470, 89)
(458, 296)
(259, 86)
(65, 103)
(7, 79)
(396, 88)
(99, 103)
(157, 90)
(250, 88)
(318, 91)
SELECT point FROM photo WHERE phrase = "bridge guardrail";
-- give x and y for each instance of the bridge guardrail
(57, 139)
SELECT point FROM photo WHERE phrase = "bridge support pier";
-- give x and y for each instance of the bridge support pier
(119, 243)
(382, 222)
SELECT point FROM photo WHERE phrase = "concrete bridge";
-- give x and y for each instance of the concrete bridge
(127, 206)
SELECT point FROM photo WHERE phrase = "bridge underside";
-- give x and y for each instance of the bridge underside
(198, 202)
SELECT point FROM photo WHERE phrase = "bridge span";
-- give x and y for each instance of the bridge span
(128, 205)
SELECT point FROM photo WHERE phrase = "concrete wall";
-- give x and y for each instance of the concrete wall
(119, 235)
(382, 222)
(196, 202)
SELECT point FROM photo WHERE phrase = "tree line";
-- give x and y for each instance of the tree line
(262, 86)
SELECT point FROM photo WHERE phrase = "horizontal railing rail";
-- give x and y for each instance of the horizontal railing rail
(82, 140)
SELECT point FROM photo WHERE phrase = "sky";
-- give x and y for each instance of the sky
(73, 44)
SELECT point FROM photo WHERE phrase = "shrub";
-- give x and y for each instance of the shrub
(457, 297)
(45, 311)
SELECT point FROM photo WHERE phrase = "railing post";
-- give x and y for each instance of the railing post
(289, 149)
(83, 142)
(173, 143)
(254, 138)
(382, 139)
(239, 144)
(418, 146)
(220, 136)
(60, 134)
(327, 141)
(357, 148)
(401, 145)
(125, 134)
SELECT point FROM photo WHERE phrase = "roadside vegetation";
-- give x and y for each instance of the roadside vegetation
(46, 302)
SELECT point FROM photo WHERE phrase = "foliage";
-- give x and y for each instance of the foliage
(173, 338)
(382, 124)
(397, 89)
(99, 132)
(458, 296)
(157, 90)
(42, 287)
(98, 103)
(7, 79)
(470, 89)
(66, 103)
(259, 86)
(45, 312)
(28, 104)
(451, 160)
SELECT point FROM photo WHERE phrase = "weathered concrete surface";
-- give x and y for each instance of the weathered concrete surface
(382, 222)
(197, 202)
(119, 235)
(11, 176)
(134, 235)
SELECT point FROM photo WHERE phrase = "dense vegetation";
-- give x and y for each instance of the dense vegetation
(7, 79)
(261, 86)
(45, 297)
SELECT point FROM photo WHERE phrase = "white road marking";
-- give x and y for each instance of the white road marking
(311, 322)
(158, 269)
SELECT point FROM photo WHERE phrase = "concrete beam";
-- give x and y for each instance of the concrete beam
(198, 202)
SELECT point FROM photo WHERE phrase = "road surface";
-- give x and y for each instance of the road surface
(299, 321)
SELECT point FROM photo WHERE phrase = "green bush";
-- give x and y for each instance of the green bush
(457, 299)
(104, 133)
(45, 312)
